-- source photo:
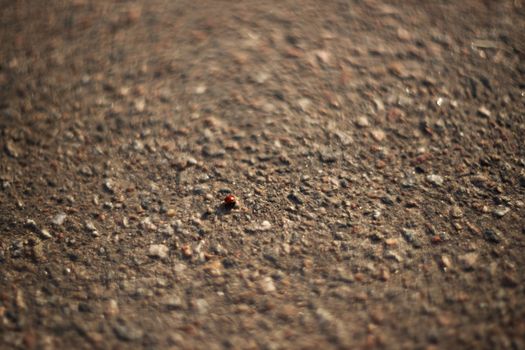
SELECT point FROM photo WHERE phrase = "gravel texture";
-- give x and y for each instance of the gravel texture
(375, 150)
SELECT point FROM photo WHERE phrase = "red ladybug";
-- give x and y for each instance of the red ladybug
(230, 200)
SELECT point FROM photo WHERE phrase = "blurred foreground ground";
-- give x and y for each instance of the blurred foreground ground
(376, 148)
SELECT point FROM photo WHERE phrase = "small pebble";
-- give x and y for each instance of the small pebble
(468, 261)
(263, 226)
(484, 112)
(173, 302)
(378, 135)
(393, 256)
(435, 179)
(90, 227)
(362, 122)
(445, 262)
(295, 198)
(456, 212)
(109, 186)
(201, 306)
(267, 285)
(59, 219)
(304, 104)
(493, 236)
(159, 251)
(127, 333)
(12, 149)
(200, 89)
(501, 211)
(411, 237)
(44, 233)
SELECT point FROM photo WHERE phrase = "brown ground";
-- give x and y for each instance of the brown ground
(376, 149)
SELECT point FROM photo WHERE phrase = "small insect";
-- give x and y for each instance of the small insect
(230, 200)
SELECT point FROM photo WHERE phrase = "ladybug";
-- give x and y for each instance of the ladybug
(230, 200)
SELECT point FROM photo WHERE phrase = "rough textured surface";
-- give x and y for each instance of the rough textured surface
(375, 149)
